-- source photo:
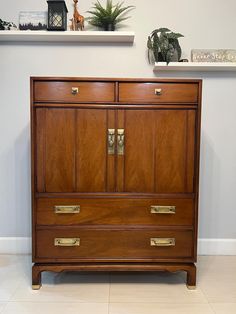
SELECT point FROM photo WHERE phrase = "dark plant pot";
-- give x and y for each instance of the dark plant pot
(160, 57)
(173, 59)
(109, 27)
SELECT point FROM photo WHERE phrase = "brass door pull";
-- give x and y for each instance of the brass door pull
(67, 241)
(163, 209)
(72, 209)
(158, 91)
(120, 141)
(111, 141)
(162, 241)
(74, 90)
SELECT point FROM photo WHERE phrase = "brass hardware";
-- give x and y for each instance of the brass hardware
(67, 241)
(163, 209)
(158, 91)
(74, 90)
(36, 287)
(162, 241)
(120, 141)
(111, 141)
(191, 287)
(72, 209)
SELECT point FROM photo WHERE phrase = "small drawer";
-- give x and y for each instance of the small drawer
(117, 211)
(158, 92)
(130, 244)
(73, 92)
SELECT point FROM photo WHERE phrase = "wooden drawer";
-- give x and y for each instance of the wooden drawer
(148, 92)
(115, 211)
(112, 244)
(62, 91)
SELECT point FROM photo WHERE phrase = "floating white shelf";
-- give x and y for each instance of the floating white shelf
(68, 36)
(195, 66)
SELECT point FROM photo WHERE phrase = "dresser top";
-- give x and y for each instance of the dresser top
(107, 79)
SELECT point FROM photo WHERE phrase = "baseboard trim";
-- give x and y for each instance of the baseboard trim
(22, 245)
(15, 245)
(217, 246)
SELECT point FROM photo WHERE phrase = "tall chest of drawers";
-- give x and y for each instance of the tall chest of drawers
(115, 166)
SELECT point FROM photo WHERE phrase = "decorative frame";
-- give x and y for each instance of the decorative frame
(33, 20)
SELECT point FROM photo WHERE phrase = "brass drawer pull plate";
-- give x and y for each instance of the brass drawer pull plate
(163, 209)
(120, 141)
(74, 90)
(67, 241)
(72, 209)
(158, 91)
(111, 141)
(162, 241)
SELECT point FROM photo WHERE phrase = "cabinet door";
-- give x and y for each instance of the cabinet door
(159, 151)
(71, 150)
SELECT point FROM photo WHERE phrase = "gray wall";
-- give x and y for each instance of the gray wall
(205, 23)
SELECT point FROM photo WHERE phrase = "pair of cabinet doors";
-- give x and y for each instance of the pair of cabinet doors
(138, 150)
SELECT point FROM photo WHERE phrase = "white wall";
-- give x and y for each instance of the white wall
(205, 24)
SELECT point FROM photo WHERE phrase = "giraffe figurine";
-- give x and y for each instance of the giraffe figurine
(77, 22)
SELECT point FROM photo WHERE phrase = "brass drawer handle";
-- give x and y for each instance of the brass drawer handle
(162, 241)
(74, 90)
(120, 141)
(158, 91)
(67, 241)
(72, 209)
(163, 209)
(111, 141)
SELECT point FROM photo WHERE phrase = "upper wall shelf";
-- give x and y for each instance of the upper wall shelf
(67, 36)
(195, 66)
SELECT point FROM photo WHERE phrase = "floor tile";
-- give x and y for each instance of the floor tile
(7, 288)
(58, 308)
(224, 308)
(15, 264)
(66, 287)
(212, 264)
(219, 291)
(217, 278)
(2, 306)
(216, 283)
(159, 308)
(153, 287)
(11, 273)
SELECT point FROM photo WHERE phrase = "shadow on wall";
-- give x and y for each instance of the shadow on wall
(210, 190)
(22, 184)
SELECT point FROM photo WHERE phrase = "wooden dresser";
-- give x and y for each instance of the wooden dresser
(115, 166)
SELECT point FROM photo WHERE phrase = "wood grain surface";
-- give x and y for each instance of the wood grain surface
(71, 166)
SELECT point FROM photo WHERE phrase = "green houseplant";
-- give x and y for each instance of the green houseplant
(164, 46)
(109, 16)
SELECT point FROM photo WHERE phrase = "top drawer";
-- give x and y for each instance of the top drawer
(73, 92)
(158, 92)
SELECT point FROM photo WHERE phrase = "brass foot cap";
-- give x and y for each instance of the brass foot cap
(36, 287)
(191, 287)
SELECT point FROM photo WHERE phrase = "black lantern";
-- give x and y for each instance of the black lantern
(57, 15)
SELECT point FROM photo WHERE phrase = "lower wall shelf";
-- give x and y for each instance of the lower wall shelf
(194, 66)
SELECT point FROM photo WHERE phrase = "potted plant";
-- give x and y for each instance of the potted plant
(7, 25)
(164, 45)
(109, 16)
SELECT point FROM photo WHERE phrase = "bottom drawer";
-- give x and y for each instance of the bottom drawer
(113, 244)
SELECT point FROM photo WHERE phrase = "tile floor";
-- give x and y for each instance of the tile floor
(118, 293)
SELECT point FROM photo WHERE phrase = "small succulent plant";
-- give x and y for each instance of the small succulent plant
(164, 45)
(7, 25)
(109, 16)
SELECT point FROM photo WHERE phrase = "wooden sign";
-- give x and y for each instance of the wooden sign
(213, 55)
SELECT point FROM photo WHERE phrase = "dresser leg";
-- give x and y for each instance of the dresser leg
(36, 277)
(191, 277)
